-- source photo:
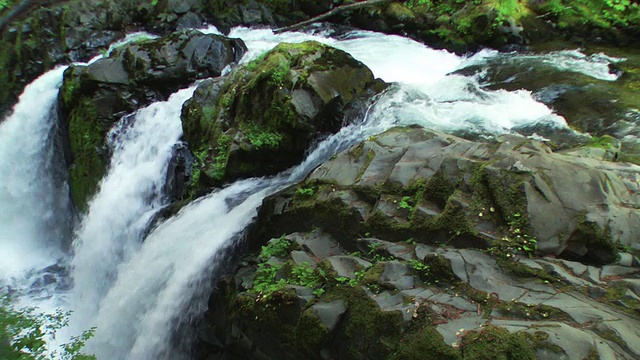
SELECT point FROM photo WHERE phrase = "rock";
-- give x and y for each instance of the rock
(92, 98)
(264, 116)
(347, 266)
(329, 313)
(476, 196)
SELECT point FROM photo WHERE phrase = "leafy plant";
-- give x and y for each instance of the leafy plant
(23, 333)
(5, 4)
(305, 192)
(262, 138)
(277, 247)
(405, 203)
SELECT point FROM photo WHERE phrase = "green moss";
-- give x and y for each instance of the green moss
(522, 271)
(309, 333)
(424, 344)
(453, 220)
(368, 331)
(493, 343)
(593, 354)
(87, 146)
(597, 241)
(439, 270)
(518, 310)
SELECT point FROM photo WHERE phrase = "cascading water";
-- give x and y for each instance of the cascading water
(34, 221)
(137, 293)
(129, 197)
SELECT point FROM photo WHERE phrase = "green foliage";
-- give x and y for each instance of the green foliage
(222, 155)
(279, 247)
(279, 73)
(405, 203)
(262, 139)
(23, 333)
(305, 192)
(516, 241)
(5, 4)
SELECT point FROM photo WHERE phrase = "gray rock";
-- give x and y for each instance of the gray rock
(318, 243)
(617, 270)
(329, 313)
(301, 257)
(398, 275)
(347, 265)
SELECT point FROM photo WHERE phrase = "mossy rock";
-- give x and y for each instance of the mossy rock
(93, 97)
(265, 115)
(493, 343)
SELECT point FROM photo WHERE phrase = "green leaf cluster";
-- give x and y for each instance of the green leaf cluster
(23, 334)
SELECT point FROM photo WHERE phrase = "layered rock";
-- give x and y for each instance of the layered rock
(264, 116)
(438, 188)
(416, 242)
(306, 296)
(93, 97)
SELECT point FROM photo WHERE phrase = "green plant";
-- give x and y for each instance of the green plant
(305, 192)
(5, 4)
(279, 247)
(262, 138)
(23, 333)
(515, 241)
(405, 203)
(279, 73)
(264, 281)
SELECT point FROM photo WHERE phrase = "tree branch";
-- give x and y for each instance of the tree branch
(328, 14)
(22, 8)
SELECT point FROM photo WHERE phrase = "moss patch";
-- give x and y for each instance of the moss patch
(493, 343)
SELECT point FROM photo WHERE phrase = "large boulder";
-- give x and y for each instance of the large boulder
(93, 97)
(509, 196)
(265, 115)
(419, 244)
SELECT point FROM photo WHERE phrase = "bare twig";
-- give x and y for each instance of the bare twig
(328, 14)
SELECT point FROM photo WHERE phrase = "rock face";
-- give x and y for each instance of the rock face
(416, 242)
(438, 188)
(264, 116)
(304, 296)
(93, 97)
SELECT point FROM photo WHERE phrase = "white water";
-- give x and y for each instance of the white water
(30, 204)
(136, 293)
(128, 197)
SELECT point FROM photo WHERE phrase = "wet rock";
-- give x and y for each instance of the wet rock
(93, 97)
(329, 313)
(264, 116)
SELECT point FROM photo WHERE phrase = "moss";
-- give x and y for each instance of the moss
(453, 220)
(309, 333)
(494, 343)
(518, 310)
(368, 331)
(424, 344)
(367, 161)
(522, 271)
(598, 242)
(87, 146)
(438, 189)
(612, 336)
(593, 354)
(440, 269)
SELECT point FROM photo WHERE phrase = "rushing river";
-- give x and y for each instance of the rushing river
(137, 287)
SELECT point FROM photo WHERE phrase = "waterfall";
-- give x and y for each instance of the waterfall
(136, 288)
(128, 198)
(33, 202)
